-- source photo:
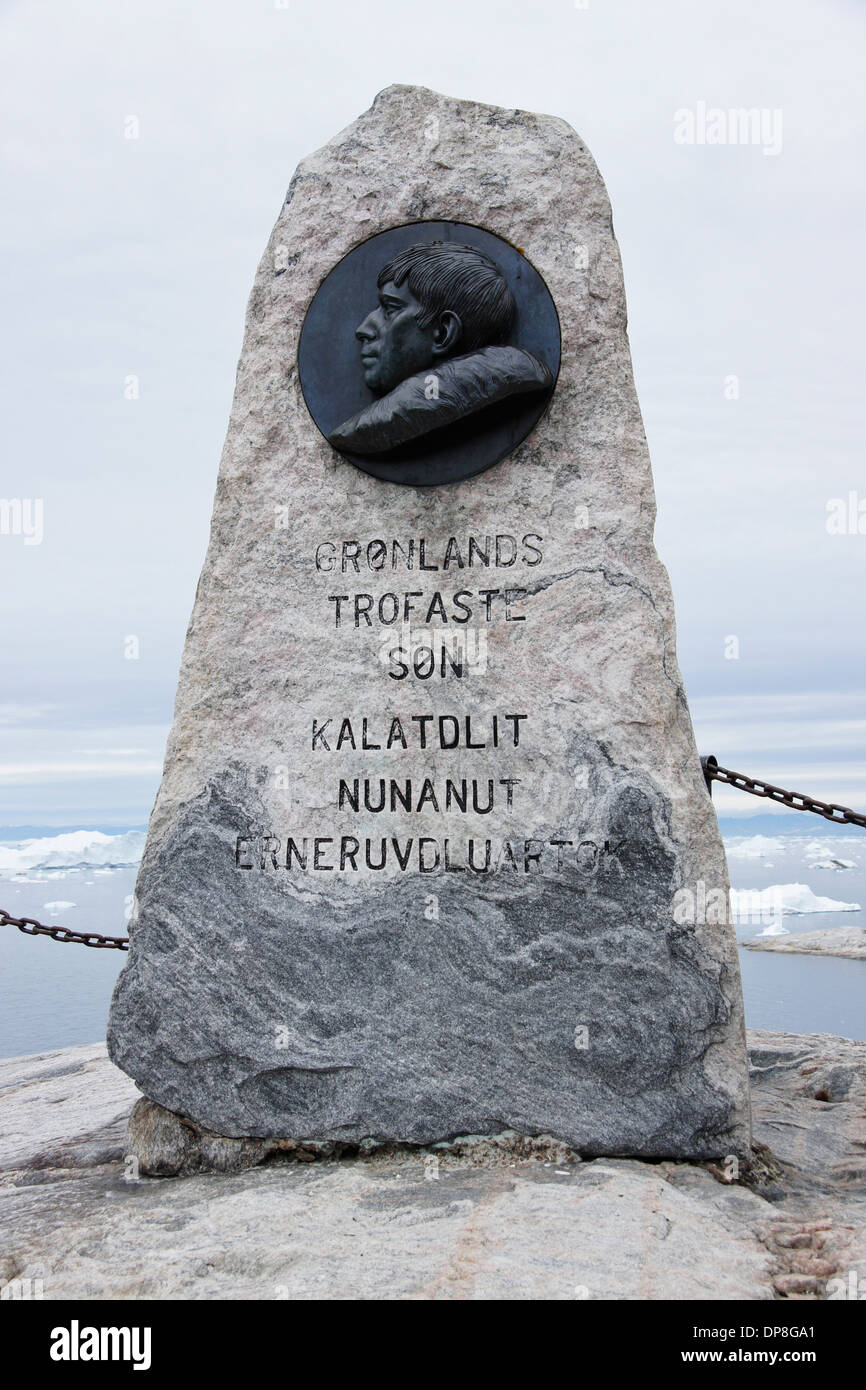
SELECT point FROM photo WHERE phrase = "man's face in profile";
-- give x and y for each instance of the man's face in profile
(393, 346)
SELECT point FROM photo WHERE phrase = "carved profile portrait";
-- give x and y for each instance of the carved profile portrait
(429, 352)
(432, 350)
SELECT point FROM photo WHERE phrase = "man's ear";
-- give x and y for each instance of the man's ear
(446, 333)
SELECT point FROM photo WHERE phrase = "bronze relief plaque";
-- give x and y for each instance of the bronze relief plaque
(429, 352)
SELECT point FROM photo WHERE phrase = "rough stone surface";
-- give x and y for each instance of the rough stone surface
(506, 1218)
(330, 1005)
(65, 1109)
(849, 942)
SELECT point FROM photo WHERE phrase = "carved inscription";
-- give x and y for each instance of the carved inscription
(486, 779)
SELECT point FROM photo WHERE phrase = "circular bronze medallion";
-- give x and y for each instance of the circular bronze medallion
(429, 352)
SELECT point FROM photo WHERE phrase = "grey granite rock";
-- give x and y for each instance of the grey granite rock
(557, 992)
(497, 1217)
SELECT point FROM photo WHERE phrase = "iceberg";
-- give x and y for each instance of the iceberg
(774, 929)
(790, 899)
(754, 846)
(77, 849)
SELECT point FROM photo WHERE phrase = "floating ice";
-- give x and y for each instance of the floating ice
(820, 854)
(790, 899)
(774, 929)
(753, 846)
(77, 849)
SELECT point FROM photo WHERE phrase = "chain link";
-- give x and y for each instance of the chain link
(798, 801)
(840, 815)
(30, 927)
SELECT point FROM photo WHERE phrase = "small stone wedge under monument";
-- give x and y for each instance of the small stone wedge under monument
(432, 854)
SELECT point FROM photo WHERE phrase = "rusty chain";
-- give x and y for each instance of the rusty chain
(798, 801)
(30, 927)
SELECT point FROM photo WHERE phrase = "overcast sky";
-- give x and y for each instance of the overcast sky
(125, 257)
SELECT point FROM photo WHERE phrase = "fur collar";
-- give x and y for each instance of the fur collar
(463, 385)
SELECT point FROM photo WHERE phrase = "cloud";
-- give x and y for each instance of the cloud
(135, 256)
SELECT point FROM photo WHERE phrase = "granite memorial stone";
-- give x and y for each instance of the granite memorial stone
(431, 803)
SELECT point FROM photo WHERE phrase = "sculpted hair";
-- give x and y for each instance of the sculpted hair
(446, 275)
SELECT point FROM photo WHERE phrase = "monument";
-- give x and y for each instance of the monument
(431, 795)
